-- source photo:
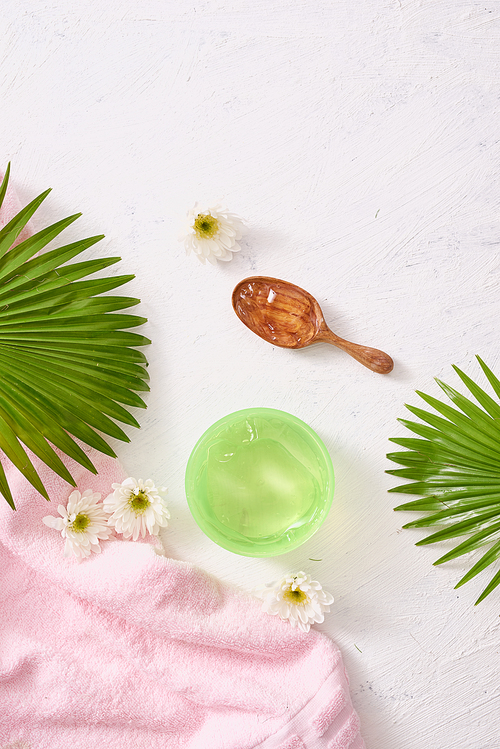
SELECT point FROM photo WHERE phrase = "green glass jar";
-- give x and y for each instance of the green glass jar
(259, 482)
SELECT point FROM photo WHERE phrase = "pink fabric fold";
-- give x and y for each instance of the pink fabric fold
(129, 648)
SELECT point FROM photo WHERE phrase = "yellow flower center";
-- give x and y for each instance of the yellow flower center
(206, 226)
(80, 523)
(139, 501)
(297, 597)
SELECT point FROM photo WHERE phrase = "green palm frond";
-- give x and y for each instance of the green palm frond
(454, 466)
(69, 362)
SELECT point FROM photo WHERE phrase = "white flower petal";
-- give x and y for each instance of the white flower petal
(52, 522)
(286, 611)
(132, 523)
(222, 244)
(82, 540)
(309, 609)
(273, 608)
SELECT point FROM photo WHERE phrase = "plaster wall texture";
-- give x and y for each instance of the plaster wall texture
(360, 143)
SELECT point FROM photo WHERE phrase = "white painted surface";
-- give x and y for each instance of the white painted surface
(360, 142)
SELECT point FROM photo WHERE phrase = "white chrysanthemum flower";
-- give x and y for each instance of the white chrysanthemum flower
(136, 507)
(297, 598)
(83, 523)
(212, 233)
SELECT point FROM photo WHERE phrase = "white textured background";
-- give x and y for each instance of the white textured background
(360, 141)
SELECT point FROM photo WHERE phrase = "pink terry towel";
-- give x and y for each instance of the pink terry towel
(131, 649)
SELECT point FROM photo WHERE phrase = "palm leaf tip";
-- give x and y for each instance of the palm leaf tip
(71, 367)
(5, 182)
(453, 463)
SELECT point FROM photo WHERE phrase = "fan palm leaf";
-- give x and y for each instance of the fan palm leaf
(454, 465)
(70, 366)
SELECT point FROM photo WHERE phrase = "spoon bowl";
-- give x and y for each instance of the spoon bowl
(287, 316)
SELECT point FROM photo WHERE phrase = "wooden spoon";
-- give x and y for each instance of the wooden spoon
(285, 315)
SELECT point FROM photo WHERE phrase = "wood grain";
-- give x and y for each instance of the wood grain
(288, 316)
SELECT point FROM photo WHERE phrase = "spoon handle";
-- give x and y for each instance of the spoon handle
(372, 358)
